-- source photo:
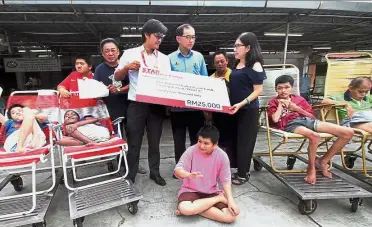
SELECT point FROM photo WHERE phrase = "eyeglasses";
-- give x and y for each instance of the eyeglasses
(159, 35)
(189, 37)
(238, 45)
(109, 51)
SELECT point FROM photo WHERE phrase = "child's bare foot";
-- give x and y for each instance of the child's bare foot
(222, 198)
(323, 166)
(178, 213)
(311, 176)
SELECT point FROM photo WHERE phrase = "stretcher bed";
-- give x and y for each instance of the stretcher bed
(294, 178)
(96, 192)
(30, 207)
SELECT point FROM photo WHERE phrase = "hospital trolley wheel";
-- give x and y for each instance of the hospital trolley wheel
(349, 161)
(40, 224)
(256, 165)
(355, 203)
(110, 167)
(133, 207)
(17, 183)
(78, 222)
(291, 160)
(307, 207)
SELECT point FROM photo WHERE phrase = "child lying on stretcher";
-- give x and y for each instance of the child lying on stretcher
(82, 131)
(358, 111)
(293, 114)
(23, 129)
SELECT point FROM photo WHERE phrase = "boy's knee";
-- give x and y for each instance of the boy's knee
(186, 209)
(314, 137)
(229, 218)
(348, 133)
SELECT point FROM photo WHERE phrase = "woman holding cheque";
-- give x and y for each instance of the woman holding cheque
(245, 86)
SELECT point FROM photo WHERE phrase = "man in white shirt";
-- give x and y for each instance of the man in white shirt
(144, 115)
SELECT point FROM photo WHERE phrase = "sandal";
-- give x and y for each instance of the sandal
(236, 180)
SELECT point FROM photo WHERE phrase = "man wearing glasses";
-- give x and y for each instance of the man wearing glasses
(186, 60)
(144, 115)
(118, 89)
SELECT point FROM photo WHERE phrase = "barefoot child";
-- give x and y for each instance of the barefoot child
(85, 131)
(23, 129)
(293, 114)
(199, 168)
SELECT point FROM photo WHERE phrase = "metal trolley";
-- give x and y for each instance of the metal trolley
(343, 67)
(94, 197)
(294, 179)
(30, 208)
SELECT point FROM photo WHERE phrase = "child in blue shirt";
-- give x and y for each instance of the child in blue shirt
(24, 129)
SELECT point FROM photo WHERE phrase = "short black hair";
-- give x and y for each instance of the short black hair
(284, 79)
(8, 114)
(218, 52)
(108, 40)
(86, 58)
(358, 81)
(153, 26)
(181, 28)
(209, 132)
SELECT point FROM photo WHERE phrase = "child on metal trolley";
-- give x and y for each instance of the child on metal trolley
(24, 129)
(293, 114)
(82, 131)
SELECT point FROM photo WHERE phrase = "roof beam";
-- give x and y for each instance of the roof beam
(194, 24)
(81, 18)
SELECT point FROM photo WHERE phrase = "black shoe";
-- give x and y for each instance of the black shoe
(158, 180)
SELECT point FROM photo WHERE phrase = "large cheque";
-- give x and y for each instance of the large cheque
(185, 90)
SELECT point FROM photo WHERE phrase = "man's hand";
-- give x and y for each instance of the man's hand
(233, 208)
(65, 94)
(195, 175)
(113, 89)
(71, 128)
(135, 65)
(292, 106)
(350, 110)
(284, 103)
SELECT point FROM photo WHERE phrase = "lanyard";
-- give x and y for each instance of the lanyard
(144, 60)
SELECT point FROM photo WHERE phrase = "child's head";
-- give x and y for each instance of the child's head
(71, 117)
(284, 85)
(359, 87)
(208, 137)
(15, 112)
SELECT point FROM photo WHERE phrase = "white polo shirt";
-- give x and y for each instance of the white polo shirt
(155, 60)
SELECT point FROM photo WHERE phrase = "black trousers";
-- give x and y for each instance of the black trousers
(244, 131)
(141, 116)
(222, 122)
(190, 120)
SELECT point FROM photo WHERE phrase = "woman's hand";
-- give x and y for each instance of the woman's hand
(236, 107)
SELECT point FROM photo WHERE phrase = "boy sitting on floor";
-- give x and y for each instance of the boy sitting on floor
(85, 131)
(24, 129)
(293, 114)
(199, 168)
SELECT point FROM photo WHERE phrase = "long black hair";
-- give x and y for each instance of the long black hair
(254, 54)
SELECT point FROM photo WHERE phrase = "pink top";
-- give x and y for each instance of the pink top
(212, 167)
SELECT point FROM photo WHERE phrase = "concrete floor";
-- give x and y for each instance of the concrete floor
(264, 201)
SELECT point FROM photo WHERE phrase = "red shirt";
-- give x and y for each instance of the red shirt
(287, 115)
(71, 85)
